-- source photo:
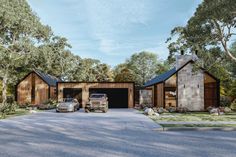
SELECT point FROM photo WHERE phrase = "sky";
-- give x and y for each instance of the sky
(112, 30)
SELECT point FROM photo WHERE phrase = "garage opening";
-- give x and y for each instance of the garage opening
(117, 97)
(73, 93)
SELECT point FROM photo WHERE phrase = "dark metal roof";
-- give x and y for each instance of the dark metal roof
(161, 78)
(49, 79)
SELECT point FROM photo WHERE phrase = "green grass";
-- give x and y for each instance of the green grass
(198, 125)
(194, 116)
(18, 112)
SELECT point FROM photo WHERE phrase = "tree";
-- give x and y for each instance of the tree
(144, 65)
(19, 29)
(125, 75)
(213, 24)
(103, 73)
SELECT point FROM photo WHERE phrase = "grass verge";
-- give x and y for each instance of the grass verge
(194, 116)
(197, 125)
(18, 112)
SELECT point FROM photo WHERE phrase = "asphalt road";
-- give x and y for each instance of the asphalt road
(120, 132)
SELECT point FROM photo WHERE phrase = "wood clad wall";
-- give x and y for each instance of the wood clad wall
(160, 94)
(41, 91)
(85, 90)
(24, 90)
(53, 93)
(32, 85)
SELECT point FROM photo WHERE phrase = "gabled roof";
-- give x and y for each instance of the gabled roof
(161, 78)
(49, 79)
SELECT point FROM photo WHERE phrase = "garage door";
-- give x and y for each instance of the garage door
(117, 97)
(73, 93)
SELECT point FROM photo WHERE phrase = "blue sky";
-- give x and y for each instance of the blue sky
(112, 30)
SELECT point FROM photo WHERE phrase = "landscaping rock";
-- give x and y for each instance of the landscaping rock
(215, 114)
(172, 109)
(155, 109)
(227, 110)
(162, 110)
(149, 112)
(214, 111)
(209, 108)
(157, 114)
(32, 111)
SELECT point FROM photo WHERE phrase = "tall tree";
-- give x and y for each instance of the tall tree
(213, 24)
(19, 28)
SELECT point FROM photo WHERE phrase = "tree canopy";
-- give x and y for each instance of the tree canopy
(213, 24)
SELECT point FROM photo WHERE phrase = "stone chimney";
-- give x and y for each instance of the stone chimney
(184, 58)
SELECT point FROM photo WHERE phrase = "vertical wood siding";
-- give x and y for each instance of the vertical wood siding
(160, 94)
(24, 90)
(25, 87)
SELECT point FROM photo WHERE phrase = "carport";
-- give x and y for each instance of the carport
(120, 94)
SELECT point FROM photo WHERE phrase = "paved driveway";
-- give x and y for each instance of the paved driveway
(116, 133)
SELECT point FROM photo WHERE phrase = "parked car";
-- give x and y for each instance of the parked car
(97, 102)
(68, 105)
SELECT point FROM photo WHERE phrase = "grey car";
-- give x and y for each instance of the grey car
(68, 105)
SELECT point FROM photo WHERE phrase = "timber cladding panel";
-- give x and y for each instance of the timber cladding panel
(41, 90)
(24, 90)
(85, 86)
(160, 94)
(33, 90)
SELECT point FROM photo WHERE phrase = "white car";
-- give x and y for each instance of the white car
(68, 105)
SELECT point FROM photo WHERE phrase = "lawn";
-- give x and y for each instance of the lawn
(198, 125)
(195, 119)
(194, 116)
(18, 112)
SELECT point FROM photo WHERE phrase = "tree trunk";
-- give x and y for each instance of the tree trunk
(4, 88)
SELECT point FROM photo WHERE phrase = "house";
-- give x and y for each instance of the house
(36, 88)
(185, 86)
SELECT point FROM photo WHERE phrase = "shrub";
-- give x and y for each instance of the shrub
(50, 102)
(7, 108)
(47, 105)
(225, 101)
(233, 105)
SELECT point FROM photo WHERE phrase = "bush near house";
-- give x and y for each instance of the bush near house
(225, 101)
(233, 105)
(48, 105)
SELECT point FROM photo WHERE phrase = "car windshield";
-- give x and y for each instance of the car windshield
(97, 96)
(68, 100)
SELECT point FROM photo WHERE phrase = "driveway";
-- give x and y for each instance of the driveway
(120, 132)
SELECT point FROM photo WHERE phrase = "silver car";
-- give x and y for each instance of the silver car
(68, 105)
